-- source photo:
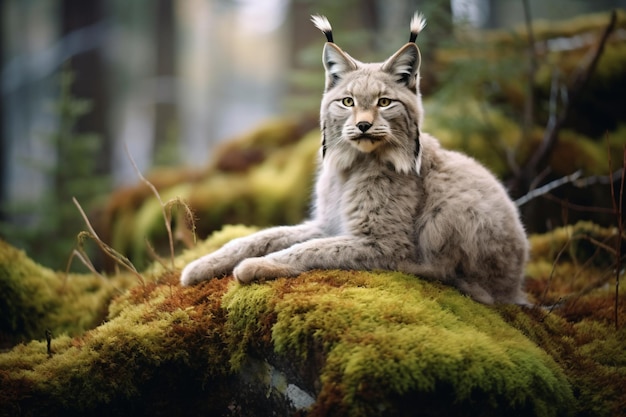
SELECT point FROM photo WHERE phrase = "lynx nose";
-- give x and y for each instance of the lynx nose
(363, 126)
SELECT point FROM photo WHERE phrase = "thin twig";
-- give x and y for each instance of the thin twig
(578, 207)
(598, 179)
(547, 188)
(618, 210)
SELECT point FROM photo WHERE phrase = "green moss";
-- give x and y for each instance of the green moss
(362, 343)
(35, 299)
(387, 336)
(149, 329)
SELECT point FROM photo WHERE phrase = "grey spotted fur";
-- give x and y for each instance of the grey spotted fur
(387, 195)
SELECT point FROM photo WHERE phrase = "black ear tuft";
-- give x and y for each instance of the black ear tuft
(323, 24)
(418, 22)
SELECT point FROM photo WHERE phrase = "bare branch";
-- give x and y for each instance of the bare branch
(547, 188)
(576, 85)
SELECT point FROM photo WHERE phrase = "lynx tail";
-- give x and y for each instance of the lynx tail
(323, 24)
(418, 22)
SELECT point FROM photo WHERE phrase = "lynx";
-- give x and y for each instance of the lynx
(387, 196)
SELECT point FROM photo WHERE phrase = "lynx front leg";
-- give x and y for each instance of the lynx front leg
(221, 262)
(344, 252)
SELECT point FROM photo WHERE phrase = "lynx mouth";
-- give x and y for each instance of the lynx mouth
(367, 143)
(367, 137)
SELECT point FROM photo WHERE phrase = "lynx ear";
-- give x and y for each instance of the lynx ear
(404, 65)
(337, 63)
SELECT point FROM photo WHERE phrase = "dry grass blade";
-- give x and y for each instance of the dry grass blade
(154, 255)
(187, 222)
(553, 270)
(166, 216)
(109, 251)
(82, 256)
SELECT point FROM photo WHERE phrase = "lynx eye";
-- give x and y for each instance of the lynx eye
(384, 102)
(348, 101)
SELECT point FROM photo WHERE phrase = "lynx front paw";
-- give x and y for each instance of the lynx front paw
(262, 268)
(192, 274)
(200, 270)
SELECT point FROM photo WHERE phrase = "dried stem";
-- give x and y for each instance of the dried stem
(554, 263)
(109, 251)
(166, 214)
(618, 210)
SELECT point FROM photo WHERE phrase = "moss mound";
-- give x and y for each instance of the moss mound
(393, 344)
(35, 299)
(329, 343)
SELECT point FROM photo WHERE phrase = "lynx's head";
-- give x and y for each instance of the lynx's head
(372, 109)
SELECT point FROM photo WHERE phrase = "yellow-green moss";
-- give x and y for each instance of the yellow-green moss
(364, 343)
(388, 335)
(35, 299)
(150, 329)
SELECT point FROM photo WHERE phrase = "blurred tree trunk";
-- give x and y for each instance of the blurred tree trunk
(4, 163)
(165, 108)
(90, 82)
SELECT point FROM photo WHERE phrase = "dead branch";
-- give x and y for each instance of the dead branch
(578, 81)
(547, 188)
(598, 179)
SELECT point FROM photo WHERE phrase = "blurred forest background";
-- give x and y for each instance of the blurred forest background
(173, 79)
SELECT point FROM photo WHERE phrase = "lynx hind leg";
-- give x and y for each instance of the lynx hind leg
(475, 291)
(468, 286)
